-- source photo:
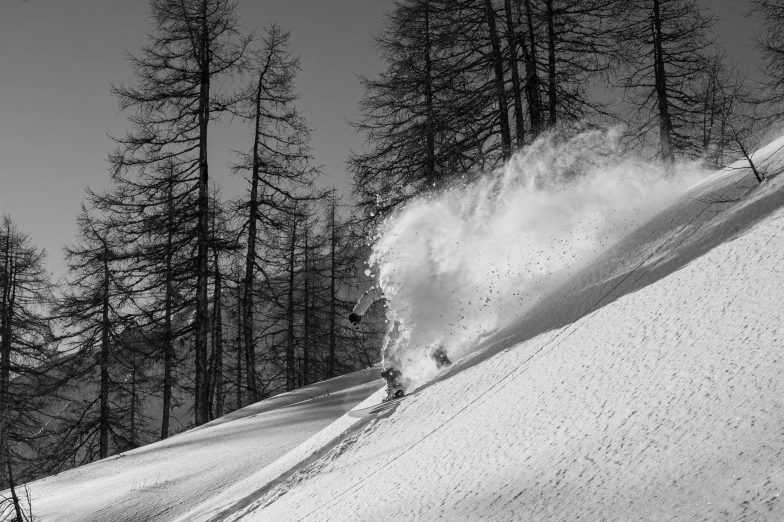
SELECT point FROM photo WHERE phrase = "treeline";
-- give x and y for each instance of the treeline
(466, 82)
(180, 305)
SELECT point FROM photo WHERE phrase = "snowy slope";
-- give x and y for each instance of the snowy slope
(647, 387)
(167, 479)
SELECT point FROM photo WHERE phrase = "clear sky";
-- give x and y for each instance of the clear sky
(59, 57)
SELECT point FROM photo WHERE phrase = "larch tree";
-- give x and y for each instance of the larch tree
(348, 347)
(727, 116)
(770, 42)
(224, 245)
(290, 310)
(28, 377)
(566, 47)
(277, 167)
(526, 36)
(155, 212)
(499, 79)
(454, 71)
(90, 311)
(513, 42)
(667, 44)
(195, 45)
(423, 116)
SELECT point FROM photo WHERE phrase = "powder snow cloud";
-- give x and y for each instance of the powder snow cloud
(459, 264)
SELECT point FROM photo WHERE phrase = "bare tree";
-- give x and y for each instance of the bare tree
(194, 45)
(27, 380)
(348, 348)
(440, 110)
(91, 314)
(668, 45)
(727, 117)
(277, 165)
(527, 39)
(500, 81)
(512, 40)
(224, 245)
(155, 212)
(424, 117)
(770, 42)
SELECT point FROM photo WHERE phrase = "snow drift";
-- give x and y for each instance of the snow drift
(469, 260)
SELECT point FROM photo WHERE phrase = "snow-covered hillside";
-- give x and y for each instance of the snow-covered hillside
(647, 386)
(220, 462)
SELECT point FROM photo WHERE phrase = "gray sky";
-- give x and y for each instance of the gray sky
(58, 58)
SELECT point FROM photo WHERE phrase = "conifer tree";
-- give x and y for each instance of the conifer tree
(439, 111)
(770, 42)
(345, 347)
(155, 212)
(224, 244)
(28, 374)
(91, 311)
(194, 46)
(424, 117)
(667, 46)
(277, 166)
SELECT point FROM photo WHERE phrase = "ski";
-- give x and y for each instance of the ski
(377, 409)
(442, 362)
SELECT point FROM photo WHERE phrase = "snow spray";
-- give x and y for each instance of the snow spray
(459, 264)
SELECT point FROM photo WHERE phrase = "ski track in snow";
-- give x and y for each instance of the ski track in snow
(647, 388)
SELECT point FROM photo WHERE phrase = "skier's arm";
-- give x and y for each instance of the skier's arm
(370, 296)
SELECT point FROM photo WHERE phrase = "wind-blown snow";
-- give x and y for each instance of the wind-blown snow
(463, 263)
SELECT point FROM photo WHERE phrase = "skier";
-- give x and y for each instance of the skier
(391, 374)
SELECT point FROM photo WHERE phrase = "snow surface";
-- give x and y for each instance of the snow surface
(219, 461)
(647, 386)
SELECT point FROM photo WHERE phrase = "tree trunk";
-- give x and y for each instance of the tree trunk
(665, 123)
(104, 418)
(12, 485)
(516, 91)
(708, 110)
(202, 388)
(500, 91)
(722, 132)
(216, 396)
(430, 139)
(332, 297)
(532, 92)
(168, 342)
(551, 85)
(239, 339)
(250, 255)
(6, 315)
(291, 376)
(132, 434)
(306, 318)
